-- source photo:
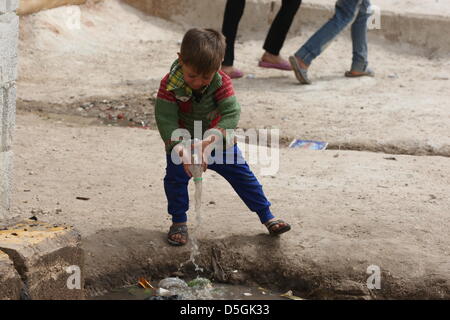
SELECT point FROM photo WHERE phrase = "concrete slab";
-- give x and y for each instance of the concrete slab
(7, 116)
(10, 282)
(9, 32)
(42, 253)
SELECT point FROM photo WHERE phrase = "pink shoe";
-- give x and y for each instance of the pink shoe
(281, 66)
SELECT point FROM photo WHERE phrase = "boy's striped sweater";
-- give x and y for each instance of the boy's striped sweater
(177, 107)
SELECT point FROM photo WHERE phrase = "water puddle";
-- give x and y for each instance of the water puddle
(216, 291)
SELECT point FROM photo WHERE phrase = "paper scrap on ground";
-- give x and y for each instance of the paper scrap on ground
(308, 144)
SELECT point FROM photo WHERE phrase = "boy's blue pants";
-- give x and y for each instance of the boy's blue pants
(237, 173)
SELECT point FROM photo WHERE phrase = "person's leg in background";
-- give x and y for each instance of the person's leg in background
(359, 40)
(277, 33)
(234, 10)
(345, 11)
(344, 14)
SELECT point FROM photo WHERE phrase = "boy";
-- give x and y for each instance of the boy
(196, 90)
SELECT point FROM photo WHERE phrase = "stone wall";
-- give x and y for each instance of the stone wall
(9, 32)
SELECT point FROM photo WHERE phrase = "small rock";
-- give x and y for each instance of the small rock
(85, 106)
(169, 283)
(351, 288)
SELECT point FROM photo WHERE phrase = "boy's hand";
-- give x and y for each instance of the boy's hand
(204, 145)
(185, 156)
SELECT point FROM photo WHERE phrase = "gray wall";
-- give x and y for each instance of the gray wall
(9, 32)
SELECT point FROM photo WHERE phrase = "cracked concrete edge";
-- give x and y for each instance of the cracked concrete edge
(44, 261)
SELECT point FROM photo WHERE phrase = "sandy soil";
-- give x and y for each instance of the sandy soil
(403, 110)
(348, 209)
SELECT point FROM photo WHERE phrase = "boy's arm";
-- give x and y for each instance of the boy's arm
(228, 107)
(166, 114)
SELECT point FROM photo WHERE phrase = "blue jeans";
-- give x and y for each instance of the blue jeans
(346, 11)
(237, 173)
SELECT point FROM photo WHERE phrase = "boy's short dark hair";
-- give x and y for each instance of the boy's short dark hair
(203, 50)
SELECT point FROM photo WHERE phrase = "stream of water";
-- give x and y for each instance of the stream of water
(197, 172)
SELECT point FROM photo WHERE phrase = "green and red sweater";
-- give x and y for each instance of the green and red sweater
(177, 107)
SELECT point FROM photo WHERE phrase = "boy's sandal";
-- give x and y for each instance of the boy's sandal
(369, 73)
(278, 231)
(300, 73)
(180, 229)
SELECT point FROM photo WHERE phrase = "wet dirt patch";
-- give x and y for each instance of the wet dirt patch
(126, 111)
(137, 111)
(217, 291)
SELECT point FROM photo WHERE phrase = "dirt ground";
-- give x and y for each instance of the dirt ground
(349, 209)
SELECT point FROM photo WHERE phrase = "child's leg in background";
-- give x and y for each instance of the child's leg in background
(359, 38)
(244, 182)
(345, 11)
(176, 188)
